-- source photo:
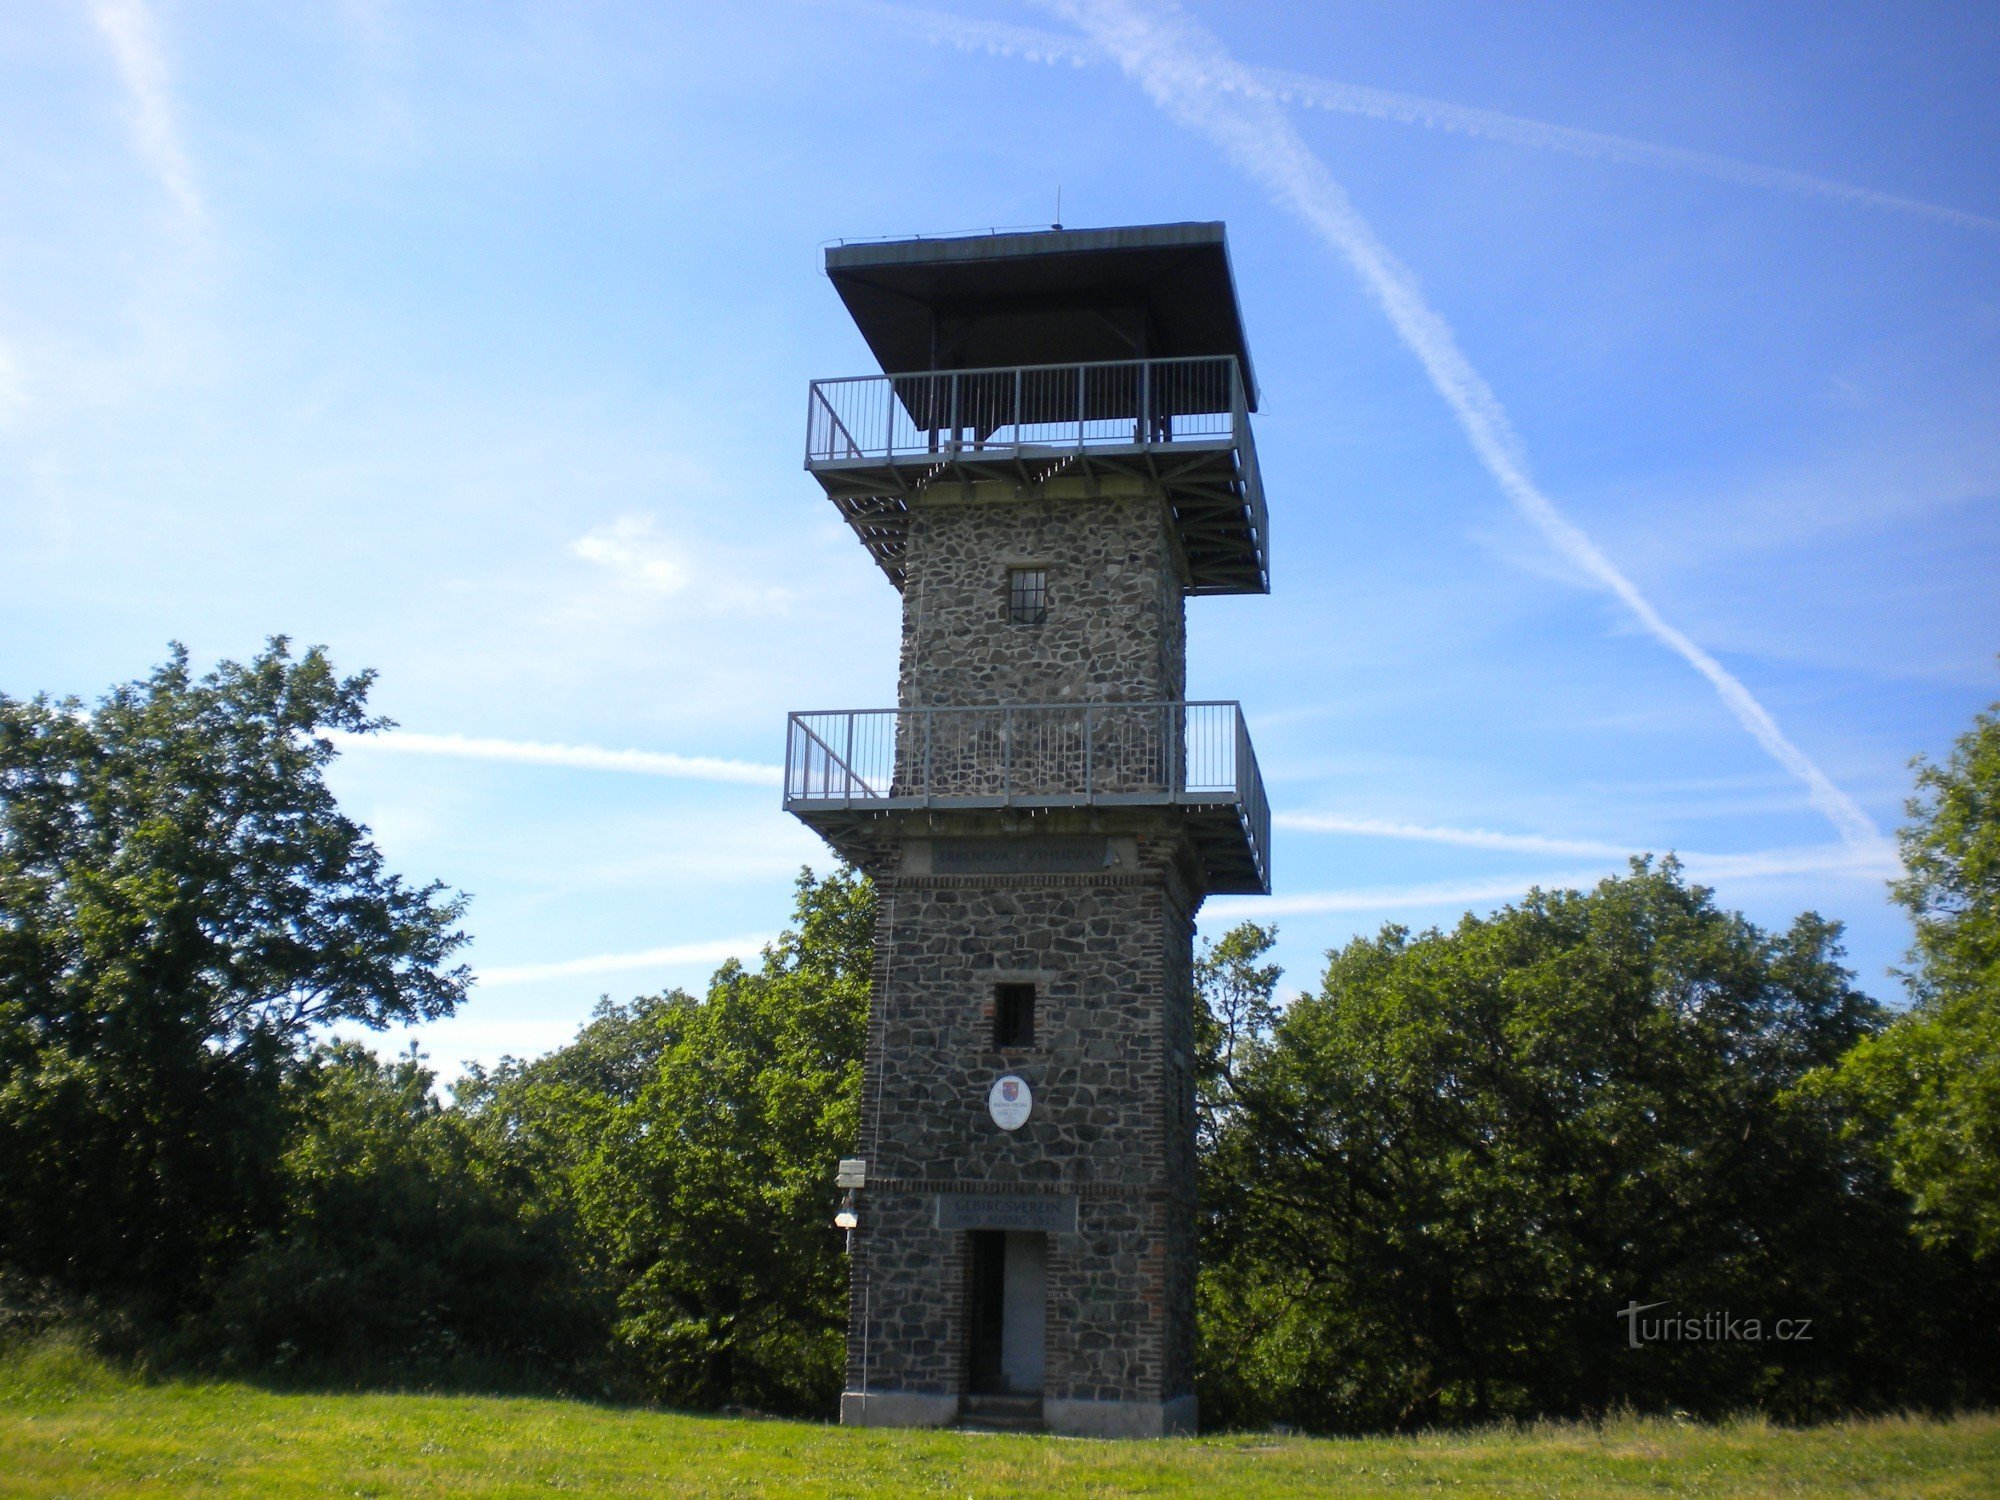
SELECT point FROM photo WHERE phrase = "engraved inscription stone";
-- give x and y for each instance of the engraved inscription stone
(1006, 1211)
(1020, 856)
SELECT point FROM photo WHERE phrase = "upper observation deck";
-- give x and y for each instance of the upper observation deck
(1050, 363)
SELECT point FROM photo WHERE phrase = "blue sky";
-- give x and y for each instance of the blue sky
(1630, 388)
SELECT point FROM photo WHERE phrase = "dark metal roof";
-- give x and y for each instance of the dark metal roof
(1061, 296)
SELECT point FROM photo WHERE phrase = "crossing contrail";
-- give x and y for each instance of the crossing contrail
(1282, 86)
(1177, 61)
(1413, 109)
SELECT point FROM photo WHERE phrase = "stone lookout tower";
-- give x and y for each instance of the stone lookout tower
(1057, 455)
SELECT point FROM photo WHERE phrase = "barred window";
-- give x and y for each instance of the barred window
(1027, 596)
(1013, 1015)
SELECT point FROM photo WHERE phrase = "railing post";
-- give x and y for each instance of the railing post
(1143, 418)
(1089, 767)
(1017, 406)
(1243, 743)
(954, 411)
(1080, 371)
(1007, 752)
(847, 759)
(930, 718)
(1181, 725)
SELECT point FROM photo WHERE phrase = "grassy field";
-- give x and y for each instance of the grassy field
(68, 1426)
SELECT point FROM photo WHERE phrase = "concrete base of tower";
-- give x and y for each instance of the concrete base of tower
(1120, 1419)
(897, 1409)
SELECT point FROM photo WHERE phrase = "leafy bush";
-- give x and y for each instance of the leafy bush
(410, 1250)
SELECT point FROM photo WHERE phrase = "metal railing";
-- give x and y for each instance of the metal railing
(1034, 755)
(1128, 403)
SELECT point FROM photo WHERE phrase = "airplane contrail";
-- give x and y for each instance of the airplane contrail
(578, 757)
(1879, 859)
(1283, 86)
(1176, 61)
(622, 963)
(127, 29)
(1470, 838)
(1834, 860)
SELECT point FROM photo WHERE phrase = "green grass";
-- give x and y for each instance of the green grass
(70, 1426)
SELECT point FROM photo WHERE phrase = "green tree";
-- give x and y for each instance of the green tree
(182, 906)
(1455, 1164)
(1234, 1012)
(694, 1141)
(1930, 1084)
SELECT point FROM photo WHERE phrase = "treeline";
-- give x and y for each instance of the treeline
(1591, 1152)
(1446, 1183)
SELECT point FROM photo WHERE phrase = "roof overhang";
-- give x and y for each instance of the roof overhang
(1061, 296)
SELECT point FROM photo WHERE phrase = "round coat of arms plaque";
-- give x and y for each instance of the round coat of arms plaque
(1009, 1101)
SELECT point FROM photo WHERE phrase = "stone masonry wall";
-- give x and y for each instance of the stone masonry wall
(1179, 1249)
(1116, 626)
(1109, 953)
(1092, 947)
(1112, 1123)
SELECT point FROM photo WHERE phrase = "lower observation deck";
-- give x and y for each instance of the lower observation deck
(845, 768)
(1182, 426)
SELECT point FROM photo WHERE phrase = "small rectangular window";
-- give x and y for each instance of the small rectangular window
(1027, 596)
(1013, 1015)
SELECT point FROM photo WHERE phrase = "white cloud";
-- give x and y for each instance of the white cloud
(1178, 64)
(746, 948)
(1281, 86)
(633, 551)
(127, 29)
(578, 757)
(646, 565)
